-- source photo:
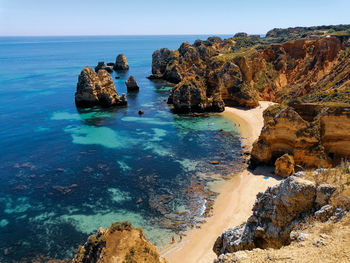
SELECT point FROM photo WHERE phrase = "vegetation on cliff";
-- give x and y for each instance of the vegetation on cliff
(309, 64)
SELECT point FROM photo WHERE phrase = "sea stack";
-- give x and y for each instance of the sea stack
(102, 65)
(97, 89)
(121, 63)
(131, 84)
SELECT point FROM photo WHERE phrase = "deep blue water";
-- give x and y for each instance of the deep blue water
(65, 172)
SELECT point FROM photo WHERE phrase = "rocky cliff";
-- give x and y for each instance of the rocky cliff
(97, 89)
(285, 212)
(120, 243)
(244, 69)
(316, 135)
(276, 213)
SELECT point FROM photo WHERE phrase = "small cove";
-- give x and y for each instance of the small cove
(66, 171)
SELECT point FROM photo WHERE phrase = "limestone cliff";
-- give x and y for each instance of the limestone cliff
(314, 141)
(241, 70)
(120, 243)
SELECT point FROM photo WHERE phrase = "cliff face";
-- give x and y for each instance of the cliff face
(242, 70)
(120, 243)
(276, 213)
(319, 142)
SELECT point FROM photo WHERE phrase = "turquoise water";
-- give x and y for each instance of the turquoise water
(64, 171)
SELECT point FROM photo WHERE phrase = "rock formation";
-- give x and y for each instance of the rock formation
(275, 213)
(97, 89)
(244, 69)
(119, 243)
(131, 84)
(322, 141)
(284, 165)
(102, 65)
(121, 63)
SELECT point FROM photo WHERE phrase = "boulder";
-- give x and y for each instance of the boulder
(131, 84)
(102, 65)
(121, 63)
(275, 213)
(324, 213)
(97, 89)
(284, 165)
(324, 193)
(118, 243)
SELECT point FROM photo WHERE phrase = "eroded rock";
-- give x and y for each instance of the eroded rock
(131, 84)
(97, 89)
(284, 165)
(102, 65)
(121, 63)
(315, 135)
(275, 213)
(118, 243)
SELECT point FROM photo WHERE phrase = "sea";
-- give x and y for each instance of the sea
(65, 171)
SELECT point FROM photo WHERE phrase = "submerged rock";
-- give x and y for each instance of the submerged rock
(121, 63)
(131, 84)
(119, 243)
(97, 89)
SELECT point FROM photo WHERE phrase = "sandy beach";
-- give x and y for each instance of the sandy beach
(233, 205)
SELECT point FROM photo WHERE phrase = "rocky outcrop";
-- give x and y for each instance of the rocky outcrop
(275, 213)
(318, 142)
(241, 34)
(102, 65)
(244, 69)
(97, 89)
(119, 243)
(284, 165)
(335, 132)
(121, 63)
(131, 84)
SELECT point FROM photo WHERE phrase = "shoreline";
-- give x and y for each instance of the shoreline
(234, 203)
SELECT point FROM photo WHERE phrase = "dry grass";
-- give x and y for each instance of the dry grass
(338, 177)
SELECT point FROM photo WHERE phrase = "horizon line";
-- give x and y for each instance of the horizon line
(187, 34)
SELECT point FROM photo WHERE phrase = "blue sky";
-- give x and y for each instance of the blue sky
(154, 17)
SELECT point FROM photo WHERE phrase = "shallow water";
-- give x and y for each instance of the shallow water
(65, 172)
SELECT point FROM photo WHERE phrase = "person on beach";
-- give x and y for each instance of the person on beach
(173, 240)
(180, 238)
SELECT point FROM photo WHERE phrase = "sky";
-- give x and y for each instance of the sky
(164, 17)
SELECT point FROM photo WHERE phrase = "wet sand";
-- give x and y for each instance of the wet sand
(237, 195)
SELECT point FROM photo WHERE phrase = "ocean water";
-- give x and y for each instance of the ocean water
(64, 171)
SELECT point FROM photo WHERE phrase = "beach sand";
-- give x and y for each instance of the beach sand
(237, 196)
